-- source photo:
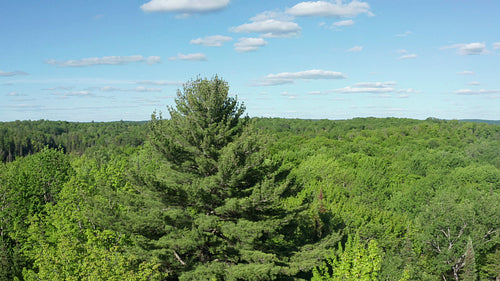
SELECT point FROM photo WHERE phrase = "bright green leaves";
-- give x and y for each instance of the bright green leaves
(357, 261)
(78, 238)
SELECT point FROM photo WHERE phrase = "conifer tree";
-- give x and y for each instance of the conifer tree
(469, 263)
(220, 205)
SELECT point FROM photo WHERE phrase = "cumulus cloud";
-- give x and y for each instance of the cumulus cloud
(356, 49)
(184, 6)
(343, 23)
(111, 60)
(330, 9)
(211, 41)
(270, 24)
(193, 57)
(11, 73)
(496, 45)
(476, 92)
(466, 72)
(291, 77)
(249, 44)
(468, 49)
(408, 56)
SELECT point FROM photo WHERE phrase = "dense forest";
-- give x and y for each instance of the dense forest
(210, 194)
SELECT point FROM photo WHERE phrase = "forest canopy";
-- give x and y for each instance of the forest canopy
(211, 194)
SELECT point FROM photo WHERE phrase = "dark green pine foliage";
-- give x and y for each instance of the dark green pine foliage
(220, 211)
(469, 263)
(221, 208)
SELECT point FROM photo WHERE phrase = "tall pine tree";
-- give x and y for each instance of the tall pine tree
(211, 184)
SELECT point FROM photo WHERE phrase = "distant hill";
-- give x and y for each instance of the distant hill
(492, 122)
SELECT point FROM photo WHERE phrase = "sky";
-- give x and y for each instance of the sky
(111, 60)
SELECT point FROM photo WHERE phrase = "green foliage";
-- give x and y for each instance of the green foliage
(215, 195)
(492, 268)
(22, 138)
(28, 187)
(454, 223)
(71, 241)
(357, 261)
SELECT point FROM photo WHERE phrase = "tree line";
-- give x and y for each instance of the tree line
(210, 194)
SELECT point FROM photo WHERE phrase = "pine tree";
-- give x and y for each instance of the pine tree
(218, 201)
(469, 263)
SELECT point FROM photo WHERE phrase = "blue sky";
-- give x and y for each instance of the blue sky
(122, 59)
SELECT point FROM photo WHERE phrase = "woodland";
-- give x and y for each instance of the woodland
(211, 194)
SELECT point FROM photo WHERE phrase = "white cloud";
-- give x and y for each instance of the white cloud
(249, 44)
(466, 72)
(289, 95)
(352, 90)
(194, 57)
(14, 94)
(12, 73)
(476, 92)
(408, 91)
(375, 84)
(474, 83)
(211, 41)
(496, 45)
(356, 49)
(111, 60)
(406, 33)
(270, 24)
(330, 9)
(291, 77)
(375, 88)
(409, 56)
(317, 93)
(184, 6)
(272, 15)
(153, 60)
(468, 49)
(343, 23)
